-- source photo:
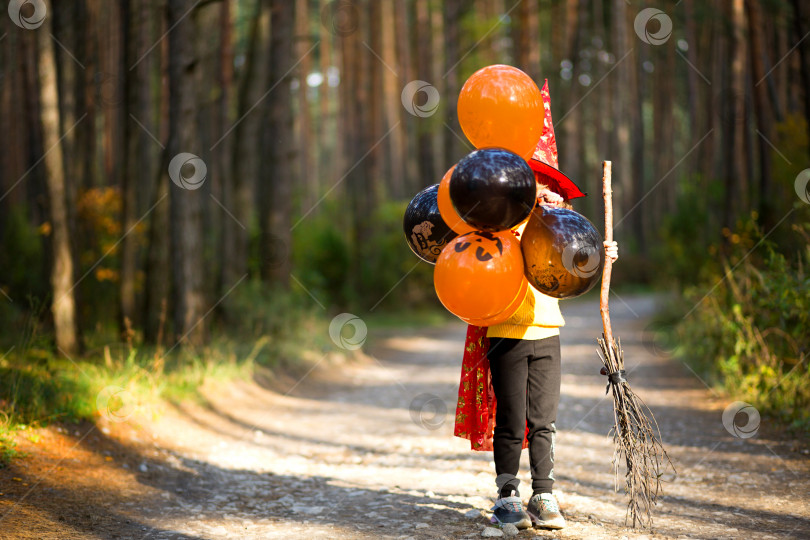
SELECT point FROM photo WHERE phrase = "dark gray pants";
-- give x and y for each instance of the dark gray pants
(526, 381)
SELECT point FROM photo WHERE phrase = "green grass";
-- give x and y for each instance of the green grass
(258, 326)
(38, 388)
(8, 446)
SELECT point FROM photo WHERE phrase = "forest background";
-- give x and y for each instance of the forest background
(191, 188)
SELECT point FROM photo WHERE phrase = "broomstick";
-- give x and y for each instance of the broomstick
(635, 431)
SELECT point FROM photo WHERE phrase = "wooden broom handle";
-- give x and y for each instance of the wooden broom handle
(607, 194)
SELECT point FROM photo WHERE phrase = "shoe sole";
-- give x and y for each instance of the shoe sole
(551, 524)
(523, 524)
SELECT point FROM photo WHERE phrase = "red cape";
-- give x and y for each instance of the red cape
(475, 412)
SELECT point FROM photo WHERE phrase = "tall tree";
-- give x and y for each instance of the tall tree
(622, 165)
(403, 23)
(425, 144)
(278, 175)
(129, 11)
(158, 262)
(570, 122)
(223, 151)
(454, 11)
(526, 39)
(663, 140)
(376, 118)
(801, 20)
(327, 141)
(110, 88)
(735, 121)
(186, 212)
(234, 266)
(307, 167)
(636, 184)
(393, 108)
(763, 112)
(88, 171)
(692, 92)
(62, 274)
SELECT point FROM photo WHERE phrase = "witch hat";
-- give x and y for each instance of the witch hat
(544, 161)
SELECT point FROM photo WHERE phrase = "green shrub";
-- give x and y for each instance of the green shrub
(274, 326)
(749, 330)
(383, 272)
(392, 276)
(321, 257)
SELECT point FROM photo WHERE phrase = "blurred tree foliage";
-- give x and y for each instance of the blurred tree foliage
(296, 109)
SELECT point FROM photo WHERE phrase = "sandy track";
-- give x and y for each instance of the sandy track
(347, 454)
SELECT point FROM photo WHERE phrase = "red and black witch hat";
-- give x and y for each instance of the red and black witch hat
(544, 161)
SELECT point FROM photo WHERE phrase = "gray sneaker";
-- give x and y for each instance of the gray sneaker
(510, 510)
(545, 512)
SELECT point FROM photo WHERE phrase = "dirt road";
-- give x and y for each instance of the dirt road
(366, 451)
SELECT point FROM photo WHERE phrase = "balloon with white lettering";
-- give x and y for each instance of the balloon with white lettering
(425, 231)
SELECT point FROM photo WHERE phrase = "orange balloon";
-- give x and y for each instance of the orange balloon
(501, 106)
(478, 274)
(448, 213)
(505, 314)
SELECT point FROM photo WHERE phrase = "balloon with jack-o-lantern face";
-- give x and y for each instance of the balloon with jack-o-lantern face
(479, 274)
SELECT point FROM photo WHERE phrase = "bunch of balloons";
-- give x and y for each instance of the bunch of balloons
(465, 224)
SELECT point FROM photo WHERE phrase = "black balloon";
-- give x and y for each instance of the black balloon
(562, 252)
(425, 230)
(493, 189)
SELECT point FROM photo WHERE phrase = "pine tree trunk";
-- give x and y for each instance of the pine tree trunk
(307, 167)
(235, 267)
(735, 121)
(158, 264)
(436, 76)
(692, 93)
(406, 75)
(764, 122)
(569, 126)
(186, 214)
(127, 307)
(327, 120)
(801, 20)
(424, 139)
(637, 190)
(91, 172)
(525, 46)
(393, 107)
(375, 127)
(622, 165)
(454, 150)
(109, 85)
(278, 174)
(663, 96)
(62, 278)
(223, 152)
